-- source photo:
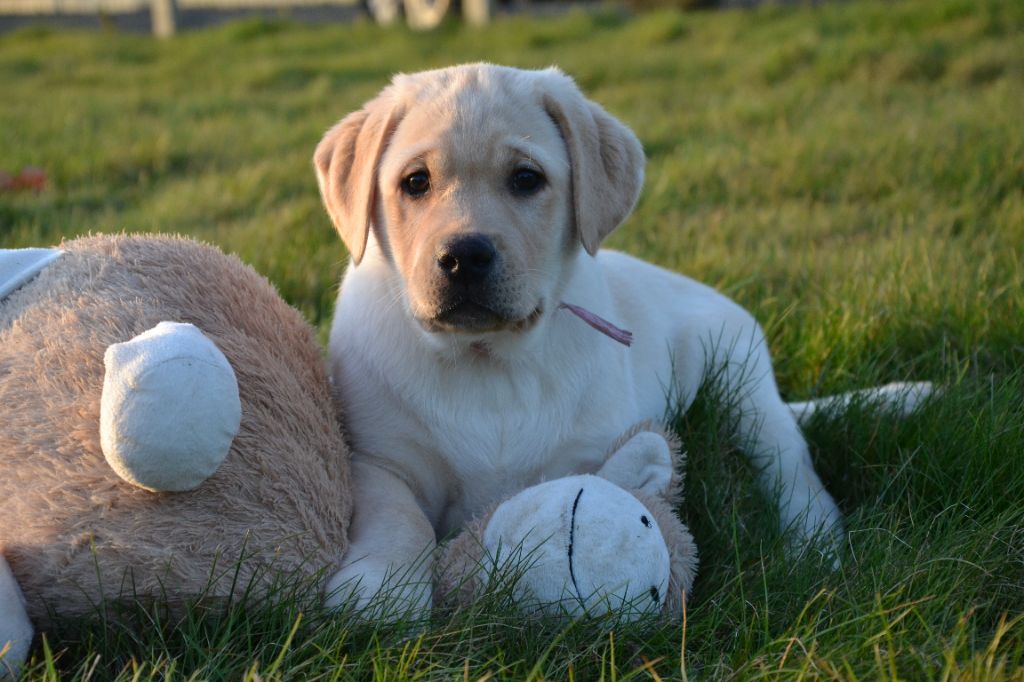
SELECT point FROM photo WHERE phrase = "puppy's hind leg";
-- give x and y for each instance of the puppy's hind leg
(769, 433)
(15, 627)
(901, 397)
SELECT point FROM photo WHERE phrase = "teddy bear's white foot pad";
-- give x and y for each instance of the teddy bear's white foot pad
(170, 408)
(18, 266)
(15, 627)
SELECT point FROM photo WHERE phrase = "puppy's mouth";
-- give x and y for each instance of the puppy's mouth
(470, 317)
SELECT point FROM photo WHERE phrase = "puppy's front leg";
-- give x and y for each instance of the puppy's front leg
(387, 570)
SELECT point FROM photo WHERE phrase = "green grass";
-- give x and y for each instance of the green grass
(852, 173)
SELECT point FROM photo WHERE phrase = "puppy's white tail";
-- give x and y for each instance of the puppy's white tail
(901, 397)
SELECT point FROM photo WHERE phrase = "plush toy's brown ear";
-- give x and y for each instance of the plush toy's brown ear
(346, 162)
(606, 157)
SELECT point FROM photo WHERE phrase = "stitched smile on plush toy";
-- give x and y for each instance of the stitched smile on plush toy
(572, 539)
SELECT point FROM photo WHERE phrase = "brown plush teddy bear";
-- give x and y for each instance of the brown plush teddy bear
(248, 458)
(168, 431)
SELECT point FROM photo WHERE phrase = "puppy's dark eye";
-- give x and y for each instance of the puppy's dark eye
(526, 181)
(416, 184)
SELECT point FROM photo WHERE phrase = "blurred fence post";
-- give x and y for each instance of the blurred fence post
(422, 15)
(164, 16)
(477, 12)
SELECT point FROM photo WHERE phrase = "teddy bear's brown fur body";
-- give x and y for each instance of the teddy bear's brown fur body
(281, 497)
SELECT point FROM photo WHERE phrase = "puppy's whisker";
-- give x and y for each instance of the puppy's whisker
(395, 300)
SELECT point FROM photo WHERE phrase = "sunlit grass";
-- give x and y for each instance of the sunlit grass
(852, 173)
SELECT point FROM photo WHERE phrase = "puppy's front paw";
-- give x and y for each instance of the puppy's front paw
(380, 592)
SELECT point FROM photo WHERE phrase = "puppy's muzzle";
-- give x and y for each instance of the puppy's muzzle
(468, 274)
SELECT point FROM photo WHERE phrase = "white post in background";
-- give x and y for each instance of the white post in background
(477, 12)
(164, 16)
(423, 15)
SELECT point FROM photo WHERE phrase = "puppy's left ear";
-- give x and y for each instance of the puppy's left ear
(606, 157)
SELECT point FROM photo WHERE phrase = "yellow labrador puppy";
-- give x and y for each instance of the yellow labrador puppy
(473, 201)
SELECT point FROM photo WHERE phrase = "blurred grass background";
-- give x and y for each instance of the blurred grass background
(853, 173)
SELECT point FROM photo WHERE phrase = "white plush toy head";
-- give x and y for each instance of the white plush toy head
(583, 546)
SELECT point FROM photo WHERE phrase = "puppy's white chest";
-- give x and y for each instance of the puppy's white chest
(498, 429)
(508, 451)
(517, 418)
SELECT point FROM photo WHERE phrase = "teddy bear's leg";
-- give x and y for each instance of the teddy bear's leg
(170, 408)
(15, 627)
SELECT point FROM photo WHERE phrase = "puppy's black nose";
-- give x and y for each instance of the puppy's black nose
(467, 259)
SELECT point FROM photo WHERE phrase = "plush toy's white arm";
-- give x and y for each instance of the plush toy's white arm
(18, 266)
(15, 628)
(643, 463)
(170, 408)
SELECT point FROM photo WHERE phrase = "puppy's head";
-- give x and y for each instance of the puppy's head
(481, 183)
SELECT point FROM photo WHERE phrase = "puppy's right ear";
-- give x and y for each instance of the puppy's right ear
(346, 162)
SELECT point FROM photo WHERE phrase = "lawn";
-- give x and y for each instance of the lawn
(853, 173)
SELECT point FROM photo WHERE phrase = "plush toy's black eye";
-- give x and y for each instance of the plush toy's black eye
(526, 181)
(646, 521)
(416, 184)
